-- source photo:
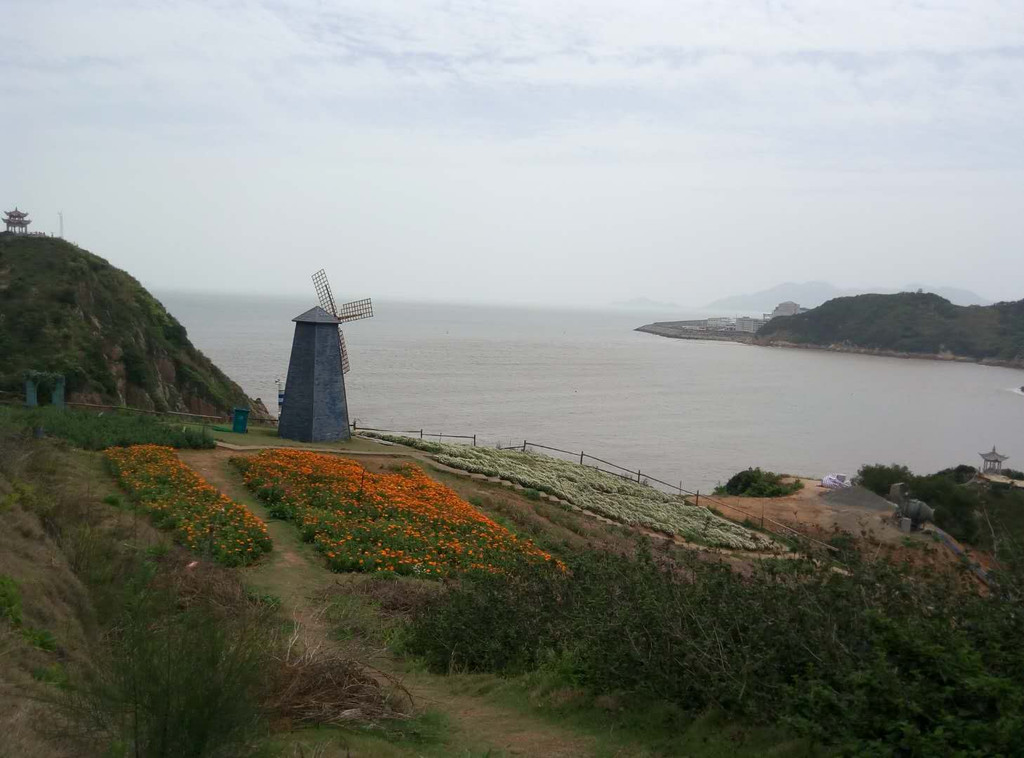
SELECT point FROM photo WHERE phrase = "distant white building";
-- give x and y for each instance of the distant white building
(722, 323)
(748, 324)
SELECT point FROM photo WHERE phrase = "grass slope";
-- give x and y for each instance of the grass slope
(66, 310)
(908, 322)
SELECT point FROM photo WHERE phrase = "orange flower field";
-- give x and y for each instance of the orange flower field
(403, 522)
(180, 500)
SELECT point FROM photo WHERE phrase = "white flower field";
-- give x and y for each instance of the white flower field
(600, 492)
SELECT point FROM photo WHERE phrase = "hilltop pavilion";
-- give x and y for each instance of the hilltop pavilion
(992, 462)
(17, 221)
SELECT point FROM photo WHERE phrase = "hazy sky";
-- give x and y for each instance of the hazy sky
(523, 151)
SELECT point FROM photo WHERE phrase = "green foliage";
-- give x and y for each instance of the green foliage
(1012, 473)
(961, 474)
(753, 482)
(68, 311)
(39, 638)
(869, 660)
(97, 431)
(10, 601)
(54, 674)
(908, 323)
(177, 678)
(880, 478)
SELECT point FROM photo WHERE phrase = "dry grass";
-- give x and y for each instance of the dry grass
(316, 685)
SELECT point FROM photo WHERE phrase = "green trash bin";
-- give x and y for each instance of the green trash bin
(240, 422)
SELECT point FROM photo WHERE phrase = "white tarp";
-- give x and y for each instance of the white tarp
(836, 481)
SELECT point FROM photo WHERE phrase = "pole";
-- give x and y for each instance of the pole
(474, 440)
(697, 502)
(524, 446)
(762, 514)
(581, 457)
(638, 476)
(421, 434)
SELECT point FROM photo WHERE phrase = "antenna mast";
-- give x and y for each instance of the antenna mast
(60, 214)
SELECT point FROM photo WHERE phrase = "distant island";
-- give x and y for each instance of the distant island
(908, 324)
(813, 294)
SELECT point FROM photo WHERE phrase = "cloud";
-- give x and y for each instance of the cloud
(571, 129)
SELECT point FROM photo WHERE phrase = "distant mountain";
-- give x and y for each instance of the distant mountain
(65, 310)
(813, 294)
(907, 323)
(807, 294)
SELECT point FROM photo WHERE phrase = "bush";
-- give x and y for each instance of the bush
(1012, 473)
(880, 478)
(872, 660)
(98, 431)
(176, 678)
(959, 474)
(757, 483)
(10, 601)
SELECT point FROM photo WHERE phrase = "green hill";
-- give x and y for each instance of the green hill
(66, 310)
(911, 323)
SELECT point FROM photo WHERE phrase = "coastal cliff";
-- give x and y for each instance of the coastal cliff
(65, 310)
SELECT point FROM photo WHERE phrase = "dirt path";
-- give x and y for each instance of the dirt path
(295, 573)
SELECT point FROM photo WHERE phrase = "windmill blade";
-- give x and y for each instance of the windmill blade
(323, 292)
(356, 310)
(344, 351)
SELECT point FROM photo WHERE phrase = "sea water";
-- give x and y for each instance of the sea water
(683, 411)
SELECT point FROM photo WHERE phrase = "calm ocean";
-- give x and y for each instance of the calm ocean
(680, 410)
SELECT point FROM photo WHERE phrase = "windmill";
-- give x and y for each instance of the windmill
(315, 408)
(354, 311)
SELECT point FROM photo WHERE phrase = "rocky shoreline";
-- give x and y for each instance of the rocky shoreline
(666, 329)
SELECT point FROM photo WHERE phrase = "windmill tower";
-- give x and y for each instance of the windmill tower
(314, 408)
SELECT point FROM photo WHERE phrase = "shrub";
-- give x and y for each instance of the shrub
(10, 601)
(98, 431)
(754, 482)
(1013, 473)
(870, 660)
(959, 474)
(879, 478)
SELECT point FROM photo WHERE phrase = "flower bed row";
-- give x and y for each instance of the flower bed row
(360, 521)
(180, 500)
(614, 497)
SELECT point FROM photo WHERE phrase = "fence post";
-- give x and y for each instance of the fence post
(680, 488)
(638, 476)
(421, 434)
(697, 502)
(474, 440)
(524, 446)
(581, 457)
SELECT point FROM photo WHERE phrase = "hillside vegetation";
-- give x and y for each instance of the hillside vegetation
(920, 323)
(65, 310)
